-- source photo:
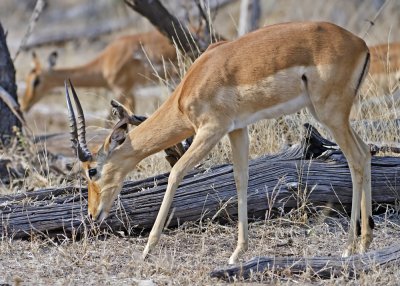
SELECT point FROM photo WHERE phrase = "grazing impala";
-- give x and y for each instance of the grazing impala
(122, 65)
(276, 70)
(385, 67)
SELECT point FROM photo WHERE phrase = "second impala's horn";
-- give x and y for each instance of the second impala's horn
(78, 132)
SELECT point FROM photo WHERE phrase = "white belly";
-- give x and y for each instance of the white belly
(279, 94)
(285, 108)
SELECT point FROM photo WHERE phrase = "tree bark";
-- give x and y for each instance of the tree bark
(255, 15)
(7, 80)
(277, 183)
(250, 13)
(169, 25)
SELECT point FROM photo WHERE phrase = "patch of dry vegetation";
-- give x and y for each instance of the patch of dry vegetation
(186, 255)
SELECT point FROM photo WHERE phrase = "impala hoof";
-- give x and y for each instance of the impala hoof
(145, 252)
(233, 260)
(349, 251)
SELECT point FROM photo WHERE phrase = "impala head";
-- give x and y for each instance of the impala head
(36, 86)
(106, 166)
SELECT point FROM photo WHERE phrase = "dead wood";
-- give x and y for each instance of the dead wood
(8, 121)
(277, 183)
(323, 267)
(90, 33)
(167, 24)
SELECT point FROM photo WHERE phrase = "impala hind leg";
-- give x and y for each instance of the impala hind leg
(239, 140)
(367, 222)
(359, 160)
(205, 139)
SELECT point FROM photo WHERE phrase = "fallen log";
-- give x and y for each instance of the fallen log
(322, 267)
(277, 183)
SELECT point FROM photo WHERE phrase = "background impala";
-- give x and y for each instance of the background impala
(124, 64)
(385, 67)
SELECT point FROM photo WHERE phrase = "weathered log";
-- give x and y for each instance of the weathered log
(90, 33)
(323, 267)
(277, 183)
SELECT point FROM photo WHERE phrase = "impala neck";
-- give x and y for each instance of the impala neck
(165, 128)
(88, 75)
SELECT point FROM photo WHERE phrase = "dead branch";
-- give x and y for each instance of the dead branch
(40, 5)
(89, 34)
(13, 106)
(169, 25)
(323, 267)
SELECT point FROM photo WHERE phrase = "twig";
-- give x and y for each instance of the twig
(14, 107)
(372, 22)
(40, 4)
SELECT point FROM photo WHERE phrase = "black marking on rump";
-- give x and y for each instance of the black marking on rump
(358, 228)
(363, 73)
(305, 81)
(304, 78)
(371, 222)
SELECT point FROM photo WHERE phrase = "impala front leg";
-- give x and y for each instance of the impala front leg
(240, 156)
(155, 234)
(203, 142)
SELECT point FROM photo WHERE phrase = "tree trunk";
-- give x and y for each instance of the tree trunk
(277, 183)
(243, 18)
(169, 25)
(7, 80)
(255, 15)
(250, 13)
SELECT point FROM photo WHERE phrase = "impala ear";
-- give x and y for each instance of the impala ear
(120, 130)
(116, 138)
(125, 114)
(35, 64)
(52, 59)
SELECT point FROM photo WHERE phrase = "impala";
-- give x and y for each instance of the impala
(120, 67)
(385, 66)
(270, 72)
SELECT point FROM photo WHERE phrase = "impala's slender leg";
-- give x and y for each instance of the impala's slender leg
(344, 137)
(206, 138)
(240, 156)
(359, 160)
(367, 223)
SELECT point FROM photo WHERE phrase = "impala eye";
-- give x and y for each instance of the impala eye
(92, 173)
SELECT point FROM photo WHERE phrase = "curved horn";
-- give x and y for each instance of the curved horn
(77, 138)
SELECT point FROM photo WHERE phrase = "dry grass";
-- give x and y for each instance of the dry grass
(186, 255)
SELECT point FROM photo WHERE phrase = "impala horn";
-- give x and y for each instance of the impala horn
(78, 133)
